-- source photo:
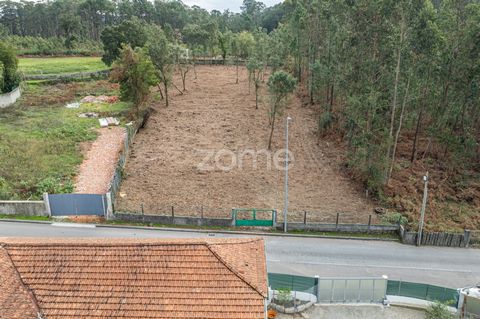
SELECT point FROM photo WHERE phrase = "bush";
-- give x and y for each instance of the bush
(9, 77)
(52, 46)
(438, 311)
(284, 296)
(393, 218)
(53, 186)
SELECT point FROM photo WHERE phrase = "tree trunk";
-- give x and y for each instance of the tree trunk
(165, 84)
(256, 94)
(272, 128)
(237, 70)
(394, 103)
(415, 141)
(160, 91)
(397, 134)
(194, 68)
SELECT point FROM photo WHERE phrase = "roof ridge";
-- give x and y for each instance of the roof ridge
(27, 289)
(233, 269)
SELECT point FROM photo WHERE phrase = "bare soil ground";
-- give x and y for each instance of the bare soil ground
(217, 117)
(97, 169)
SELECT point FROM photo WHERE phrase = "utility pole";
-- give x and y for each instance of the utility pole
(424, 205)
(285, 208)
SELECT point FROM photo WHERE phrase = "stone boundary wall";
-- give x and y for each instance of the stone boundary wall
(24, 208)
(8, 99)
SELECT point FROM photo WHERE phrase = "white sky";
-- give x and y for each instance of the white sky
(220, 5)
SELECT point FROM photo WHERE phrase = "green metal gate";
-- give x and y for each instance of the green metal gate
(254, 217)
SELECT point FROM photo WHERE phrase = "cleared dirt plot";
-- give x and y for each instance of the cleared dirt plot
(208, 148)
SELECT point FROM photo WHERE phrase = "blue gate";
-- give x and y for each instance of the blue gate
(77, 204)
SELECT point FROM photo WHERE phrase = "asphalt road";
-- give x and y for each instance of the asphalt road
(450, 267)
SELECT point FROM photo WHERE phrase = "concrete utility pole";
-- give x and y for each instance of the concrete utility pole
(424, 205)
(285, 209)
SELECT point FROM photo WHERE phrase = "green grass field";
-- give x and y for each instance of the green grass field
(37, 66)
(40, 139)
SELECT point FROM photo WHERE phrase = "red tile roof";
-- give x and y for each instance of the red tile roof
(193, 278)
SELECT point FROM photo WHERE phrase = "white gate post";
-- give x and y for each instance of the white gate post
(109, 212)
(46, 202)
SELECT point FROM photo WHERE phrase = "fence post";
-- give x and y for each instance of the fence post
(141, 207)
(109, 211)
(466, 237)
(201, 211)
(369, 221)
(46, 202)
(173, 212)
(305, 217)
(316, 291)
(336, 222)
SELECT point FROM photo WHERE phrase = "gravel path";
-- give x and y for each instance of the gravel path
(98, 167)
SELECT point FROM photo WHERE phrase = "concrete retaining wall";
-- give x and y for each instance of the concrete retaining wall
(8, 99)
(177, 220)
(26, 208)
(350, 228)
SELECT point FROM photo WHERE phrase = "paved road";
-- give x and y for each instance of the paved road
(451, 267)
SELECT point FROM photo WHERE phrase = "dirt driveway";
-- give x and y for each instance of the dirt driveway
(208, 148)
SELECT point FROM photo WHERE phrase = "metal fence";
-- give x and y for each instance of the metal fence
(77, 204)
(422, 291)
(356, 290)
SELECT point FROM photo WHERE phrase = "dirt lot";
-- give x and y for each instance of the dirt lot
(358, 311)
(217, 117)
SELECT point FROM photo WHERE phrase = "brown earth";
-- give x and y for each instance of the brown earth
(97, 169)
(216, 115)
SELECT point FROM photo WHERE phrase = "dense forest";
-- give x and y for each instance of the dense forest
(396, 82)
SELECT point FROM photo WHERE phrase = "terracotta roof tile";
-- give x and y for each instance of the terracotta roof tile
(194, 278)
(16, 302)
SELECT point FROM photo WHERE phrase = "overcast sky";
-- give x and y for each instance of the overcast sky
(220, 5)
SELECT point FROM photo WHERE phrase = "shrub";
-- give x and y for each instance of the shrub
(9, 78)
(438, 311)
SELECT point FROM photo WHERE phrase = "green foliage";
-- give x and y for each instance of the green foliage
(136, 73)
(280, 85)
(393, 218)
(131, 32)
(438, 311)
(40, 138)
(33, 45)
(284, 296)
(9, 77)
(53, 185)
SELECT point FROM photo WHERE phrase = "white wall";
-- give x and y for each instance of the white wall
(8, 99)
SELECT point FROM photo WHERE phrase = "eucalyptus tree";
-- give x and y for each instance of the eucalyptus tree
(161, 53)
(280, 85)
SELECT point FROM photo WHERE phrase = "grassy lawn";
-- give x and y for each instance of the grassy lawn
(36, 66)
(41, 140)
